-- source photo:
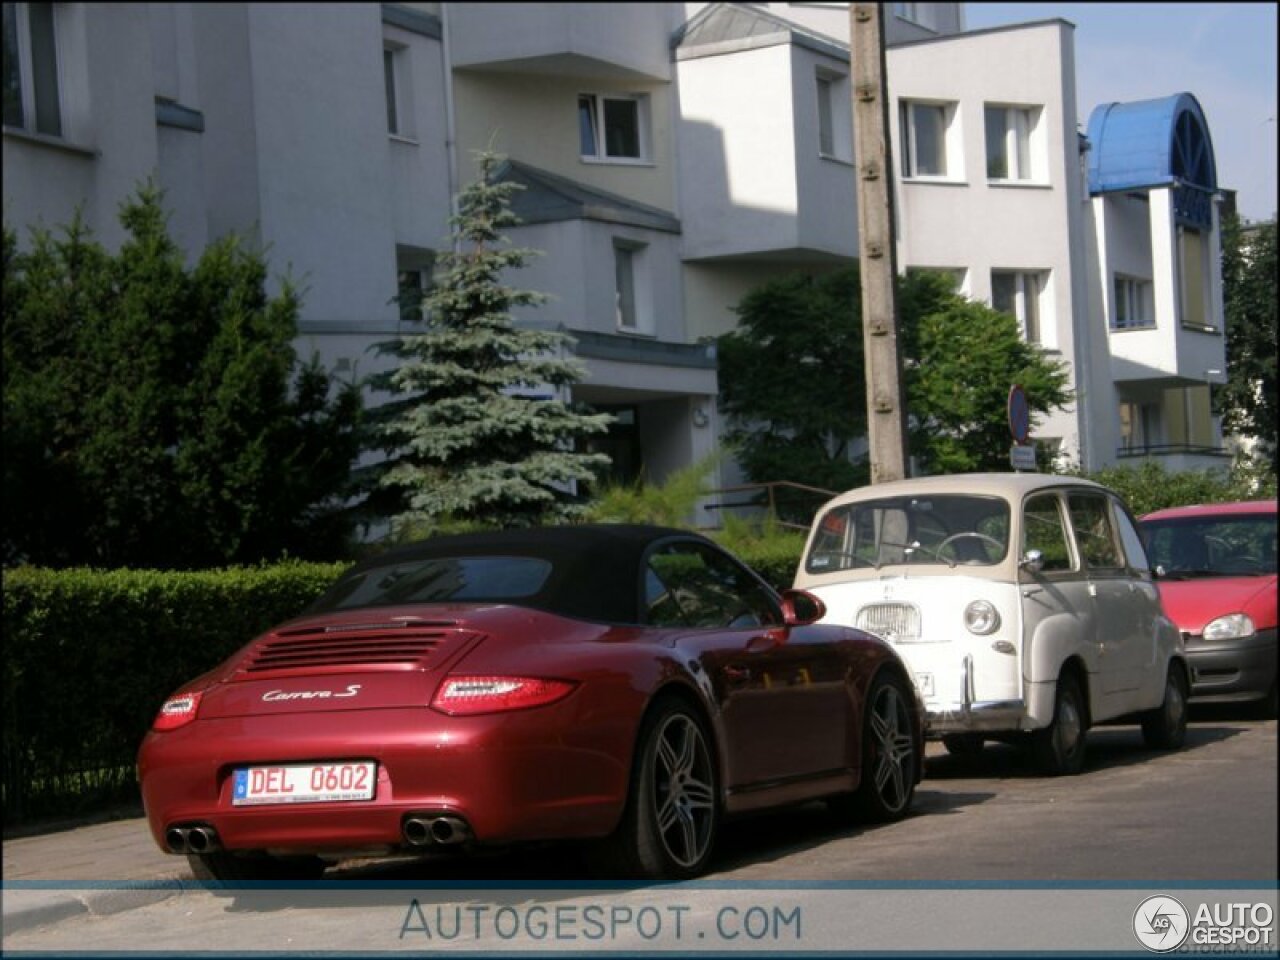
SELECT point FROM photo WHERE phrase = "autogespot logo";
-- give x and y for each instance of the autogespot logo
(1161, 923)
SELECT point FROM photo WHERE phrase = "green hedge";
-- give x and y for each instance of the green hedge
(90, 656)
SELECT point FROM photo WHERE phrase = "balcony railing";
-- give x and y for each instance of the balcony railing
(1173, 449)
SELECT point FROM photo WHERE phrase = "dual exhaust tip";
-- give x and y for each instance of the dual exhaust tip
(420, 830)
(191, 838)
(430, 829)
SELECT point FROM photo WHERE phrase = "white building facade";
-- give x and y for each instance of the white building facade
(673, 156)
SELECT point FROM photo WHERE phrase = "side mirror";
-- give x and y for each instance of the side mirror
(1032, 561)
(801, 608)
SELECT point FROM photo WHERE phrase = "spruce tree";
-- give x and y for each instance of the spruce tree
(472, 435)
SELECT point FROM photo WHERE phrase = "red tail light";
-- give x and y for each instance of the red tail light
(463, 696)
(177, 712)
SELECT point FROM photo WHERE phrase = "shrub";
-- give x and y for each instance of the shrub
(1149, 486)
(92, 654)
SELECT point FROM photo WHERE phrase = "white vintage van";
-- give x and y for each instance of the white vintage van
(1023, 604)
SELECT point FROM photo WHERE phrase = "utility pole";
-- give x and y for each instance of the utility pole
(877, 250)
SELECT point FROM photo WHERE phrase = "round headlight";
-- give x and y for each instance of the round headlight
(1231, 627)
(981, 618)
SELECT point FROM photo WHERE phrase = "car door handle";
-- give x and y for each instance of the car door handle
(764, 641)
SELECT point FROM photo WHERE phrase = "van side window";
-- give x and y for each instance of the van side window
(1134, 551)
(1094, 532)
(1043, 530)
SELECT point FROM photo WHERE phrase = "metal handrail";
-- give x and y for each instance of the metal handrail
(770, 488)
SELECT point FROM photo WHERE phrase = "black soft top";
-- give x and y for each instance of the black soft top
(595, 568)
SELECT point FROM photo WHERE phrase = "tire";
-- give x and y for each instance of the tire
(1060, 747)
(890, 758)
(1165, 728)
(672, 816)
(1268, 706)
(963, 744)
(226, 867)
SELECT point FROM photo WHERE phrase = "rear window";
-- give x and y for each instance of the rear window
(945, 530)
(439, 580)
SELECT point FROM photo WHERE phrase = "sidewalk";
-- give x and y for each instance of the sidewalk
(118, 862)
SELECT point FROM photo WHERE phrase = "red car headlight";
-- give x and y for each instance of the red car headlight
(177, 712)
(463, 696)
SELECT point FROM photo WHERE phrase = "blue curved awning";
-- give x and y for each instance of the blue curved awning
(1151, 143)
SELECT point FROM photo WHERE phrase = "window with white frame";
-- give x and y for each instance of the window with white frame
(926, 134)
(613, 126)
(395, 74)
(32, 92)
(631, 311)
(1134, 304)
(1013, 141)
(1020, 293)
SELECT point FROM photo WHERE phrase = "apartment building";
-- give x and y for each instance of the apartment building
(673, 155)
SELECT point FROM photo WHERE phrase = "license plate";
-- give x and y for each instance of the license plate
(303, 783)
(924, 683)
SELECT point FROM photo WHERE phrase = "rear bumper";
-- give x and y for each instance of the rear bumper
(1234, 669)
(530, 774)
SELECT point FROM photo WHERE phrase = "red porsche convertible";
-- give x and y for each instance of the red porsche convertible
(632, 684)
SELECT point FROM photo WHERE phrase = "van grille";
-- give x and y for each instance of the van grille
(896, 622)
(387, 645)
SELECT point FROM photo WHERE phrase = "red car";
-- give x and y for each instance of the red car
(631, 684)
(1217, 569)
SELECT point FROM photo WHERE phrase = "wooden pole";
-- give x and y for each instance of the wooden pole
(886, 414)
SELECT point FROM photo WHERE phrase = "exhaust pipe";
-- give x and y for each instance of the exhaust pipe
(192, 838)
(176, 839)
(202, 840)
(429, 830)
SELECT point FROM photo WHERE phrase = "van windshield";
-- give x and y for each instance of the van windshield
(945, 530)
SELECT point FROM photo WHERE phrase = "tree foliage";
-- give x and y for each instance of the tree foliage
(155, 415)
(476, 429)
(960, 358)
(1247, 402)
(793, 378)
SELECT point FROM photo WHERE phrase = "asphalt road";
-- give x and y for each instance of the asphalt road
(1205, 814)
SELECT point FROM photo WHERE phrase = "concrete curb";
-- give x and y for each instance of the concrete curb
(26, 906)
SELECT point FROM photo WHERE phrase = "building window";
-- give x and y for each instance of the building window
(414, 269)
(1011, 136)
(399, 89)
(1138, 425)
(32, 96)
(612, 127)
(1193, 271)
(631, 301)
(624, 261)
(826, 112)
(920, 14)
(926, 128)
(1019, 293)
(1133, 304)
